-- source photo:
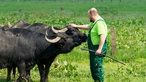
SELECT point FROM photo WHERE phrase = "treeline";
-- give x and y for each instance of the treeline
(117, 0)
(81, 0)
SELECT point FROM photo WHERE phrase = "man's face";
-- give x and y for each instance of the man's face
(90, 17)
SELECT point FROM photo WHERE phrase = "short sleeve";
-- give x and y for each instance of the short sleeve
(101, 27)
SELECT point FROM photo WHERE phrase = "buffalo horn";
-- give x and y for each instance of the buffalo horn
(52, 40)
(57, 31)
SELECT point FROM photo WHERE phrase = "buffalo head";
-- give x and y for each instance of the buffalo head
(67, 38)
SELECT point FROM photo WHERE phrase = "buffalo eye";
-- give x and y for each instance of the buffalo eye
(61, 45)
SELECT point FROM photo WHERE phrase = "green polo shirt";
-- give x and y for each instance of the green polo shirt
(98, 27)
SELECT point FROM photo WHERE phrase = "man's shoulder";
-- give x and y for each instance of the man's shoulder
(100, 19)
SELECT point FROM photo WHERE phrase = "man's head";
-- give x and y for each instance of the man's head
(92, 14)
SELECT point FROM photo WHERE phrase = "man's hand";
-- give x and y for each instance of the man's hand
(98, 51)
(73, 25)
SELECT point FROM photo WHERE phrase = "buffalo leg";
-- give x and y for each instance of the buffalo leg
(9, 69)
(44, 71)
(22, 71)
(41, 71)
(47, 69)
(14, 70)
(28, 75)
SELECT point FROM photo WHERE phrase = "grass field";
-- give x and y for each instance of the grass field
(127, 17)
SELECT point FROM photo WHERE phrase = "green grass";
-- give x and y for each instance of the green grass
(128, 18)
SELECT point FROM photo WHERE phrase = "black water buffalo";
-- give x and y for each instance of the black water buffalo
(25, 48)
(37, 27)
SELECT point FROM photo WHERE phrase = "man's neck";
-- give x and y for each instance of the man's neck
(95, 18)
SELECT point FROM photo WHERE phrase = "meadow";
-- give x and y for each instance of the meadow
(127, 18)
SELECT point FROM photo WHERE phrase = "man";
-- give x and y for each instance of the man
(97, 42)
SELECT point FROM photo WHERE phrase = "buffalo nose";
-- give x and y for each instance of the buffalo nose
(84, 38)
(76, 43)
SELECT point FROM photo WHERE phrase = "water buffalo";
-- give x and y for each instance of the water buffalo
(38, 27)
(25, 48)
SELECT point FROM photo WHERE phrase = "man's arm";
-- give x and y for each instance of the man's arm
(86, 26)
(101, 43)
